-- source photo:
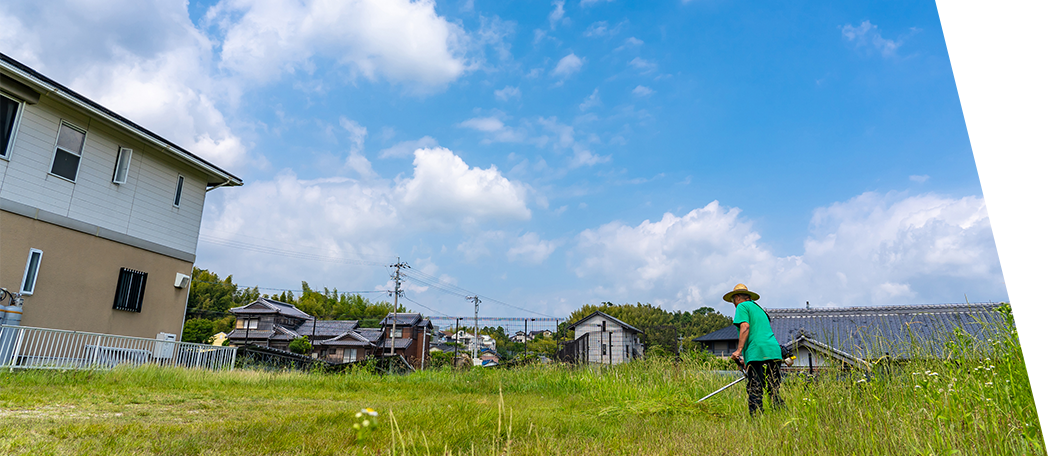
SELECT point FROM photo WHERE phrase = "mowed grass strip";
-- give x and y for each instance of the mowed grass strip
(965, 405)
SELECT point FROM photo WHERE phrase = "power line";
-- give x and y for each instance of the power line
(445, 316)
(449, 288)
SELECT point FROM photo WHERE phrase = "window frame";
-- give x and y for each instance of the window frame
(178, 190)
(79, 156)
(36, 272)
(127, 169)
(139, 299)
(5, 154)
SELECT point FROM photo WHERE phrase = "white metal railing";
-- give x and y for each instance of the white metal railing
(24, 347)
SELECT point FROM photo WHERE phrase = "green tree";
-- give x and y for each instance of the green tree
(300, 346)
(198, 331)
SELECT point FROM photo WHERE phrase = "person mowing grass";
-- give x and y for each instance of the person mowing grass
(758, 349)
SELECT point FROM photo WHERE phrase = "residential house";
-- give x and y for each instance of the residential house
(406, 334)
(521, 337)
(99, 217)
(601, 338)
(274, 324)
(855, 336)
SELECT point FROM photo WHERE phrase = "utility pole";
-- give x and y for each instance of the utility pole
(457, 338)
(476, 323)
(525, 338)
(396, 293)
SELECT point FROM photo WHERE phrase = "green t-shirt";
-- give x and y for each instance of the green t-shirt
(761, 344)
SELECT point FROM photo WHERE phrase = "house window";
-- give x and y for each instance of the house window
(349, 355)
(8, 124)
(130, 290)
(247, 323)
(123, 164)
(331, 351)
(32, 268)
(68, 149)
(178, 190)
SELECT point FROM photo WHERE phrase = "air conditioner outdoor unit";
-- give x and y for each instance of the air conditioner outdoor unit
(181, 280)
(165, 346)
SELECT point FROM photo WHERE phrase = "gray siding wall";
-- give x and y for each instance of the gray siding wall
(141, 208)
(615, 338)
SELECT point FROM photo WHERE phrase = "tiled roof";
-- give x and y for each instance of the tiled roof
(351, 338)
(326, 328)
(873, 331)
(264, 306)
(729, 332)
(406, 319)
(401, 343)
(371, 334)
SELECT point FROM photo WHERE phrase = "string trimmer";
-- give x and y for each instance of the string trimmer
(741, 368)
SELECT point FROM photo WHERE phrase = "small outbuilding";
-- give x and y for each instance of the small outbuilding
(601, 338)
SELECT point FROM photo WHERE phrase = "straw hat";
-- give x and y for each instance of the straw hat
(741, 289)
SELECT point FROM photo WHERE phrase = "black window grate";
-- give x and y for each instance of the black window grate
(130, 290)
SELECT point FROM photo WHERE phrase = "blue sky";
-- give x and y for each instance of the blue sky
(551, 155)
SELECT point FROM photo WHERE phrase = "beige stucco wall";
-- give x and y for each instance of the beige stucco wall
(78, 278)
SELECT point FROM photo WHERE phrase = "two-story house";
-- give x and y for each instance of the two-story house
(275, 324)
(99, 217)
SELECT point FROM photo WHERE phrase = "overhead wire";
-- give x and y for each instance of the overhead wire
(446, 287)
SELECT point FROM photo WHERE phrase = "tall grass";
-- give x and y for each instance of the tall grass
(977, 401)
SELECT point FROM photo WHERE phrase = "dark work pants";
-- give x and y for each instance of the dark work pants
(761, 376)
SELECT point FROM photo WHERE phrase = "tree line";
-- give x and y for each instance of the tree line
(211, 297)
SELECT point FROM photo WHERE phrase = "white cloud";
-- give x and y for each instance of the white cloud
(642, 91)
(496, 130)
(341, 217)
(874, 249)
(530, 249)
(584, 157)
(568, 66)
(596, 29)
(507, 92)
(476, 246)
(920, 179)
(630, 42)
(407, 148)
(356, 160)
(1032, 157)
(263, 40)
(591, 101)
(445, 189)
(644, 66)
(866, 34)
(143, 60)
(557, 15)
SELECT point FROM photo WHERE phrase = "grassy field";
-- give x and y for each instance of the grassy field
(977, 406)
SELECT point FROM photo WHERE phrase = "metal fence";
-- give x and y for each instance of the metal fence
(24, 347)
(574, 351)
